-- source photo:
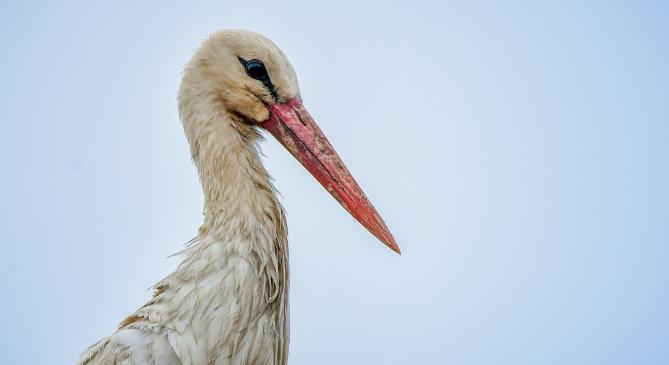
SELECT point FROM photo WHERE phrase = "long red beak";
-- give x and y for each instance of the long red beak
(292, 125)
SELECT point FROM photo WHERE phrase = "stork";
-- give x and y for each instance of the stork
(227, 302)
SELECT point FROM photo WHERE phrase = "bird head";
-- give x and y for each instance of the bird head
(247, 77)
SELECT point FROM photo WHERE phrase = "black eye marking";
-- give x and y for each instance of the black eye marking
(256, 70)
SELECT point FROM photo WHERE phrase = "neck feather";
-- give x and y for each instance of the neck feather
(242, 214)
(239, 198)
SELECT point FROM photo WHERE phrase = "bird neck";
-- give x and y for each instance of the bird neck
(244, 232)
(239, 198)
(241, 208)
(240, 201)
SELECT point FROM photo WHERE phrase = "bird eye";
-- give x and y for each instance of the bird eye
(256, 70)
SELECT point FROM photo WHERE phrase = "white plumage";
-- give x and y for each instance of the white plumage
(227, 302)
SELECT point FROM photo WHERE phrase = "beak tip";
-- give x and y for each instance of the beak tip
(393, 245)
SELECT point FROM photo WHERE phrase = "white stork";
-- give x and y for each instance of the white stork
(227, 302)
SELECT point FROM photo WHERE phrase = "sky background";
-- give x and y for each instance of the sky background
(519, 152)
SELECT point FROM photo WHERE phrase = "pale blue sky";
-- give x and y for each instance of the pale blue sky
(519, 152)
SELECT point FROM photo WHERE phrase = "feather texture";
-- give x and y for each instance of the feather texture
(227, 302)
